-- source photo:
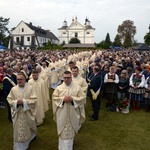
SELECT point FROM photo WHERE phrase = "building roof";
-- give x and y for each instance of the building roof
(142, 47)
(63, 27)
(52, 36)
(89, 27)
(41, 32)
(80, 45)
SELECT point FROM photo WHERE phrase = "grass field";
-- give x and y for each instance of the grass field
(113, 131)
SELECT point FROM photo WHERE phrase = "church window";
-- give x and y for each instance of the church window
(76, 35)
(87, 32)
(22, 29)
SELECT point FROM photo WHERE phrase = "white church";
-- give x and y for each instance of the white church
(85, 33)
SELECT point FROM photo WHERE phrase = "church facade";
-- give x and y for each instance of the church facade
(84, 33)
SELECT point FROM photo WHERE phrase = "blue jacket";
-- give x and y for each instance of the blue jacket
(96, 82)
(6, 87)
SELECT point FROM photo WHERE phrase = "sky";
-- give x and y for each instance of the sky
(105, 15)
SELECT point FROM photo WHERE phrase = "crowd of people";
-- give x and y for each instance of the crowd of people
(27, 75)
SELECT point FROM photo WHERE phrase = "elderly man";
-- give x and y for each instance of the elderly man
(23, 100)
(68, 109)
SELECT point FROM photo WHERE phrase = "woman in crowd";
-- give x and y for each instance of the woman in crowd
(136, 90)
(111, 80)
(123, 85)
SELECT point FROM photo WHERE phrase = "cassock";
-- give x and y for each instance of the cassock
(68, 115)
(39, 87)
(23, 116)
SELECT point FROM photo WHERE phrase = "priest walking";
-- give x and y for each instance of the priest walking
(68, 109)
(22, 100)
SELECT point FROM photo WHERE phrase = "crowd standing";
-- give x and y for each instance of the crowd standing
(27, 75)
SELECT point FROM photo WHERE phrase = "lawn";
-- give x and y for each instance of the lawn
(113, 131)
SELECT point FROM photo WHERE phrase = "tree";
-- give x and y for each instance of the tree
(127, 30)
(3, 30)
(103, 44)
(127, 41)
(147, 37)
(107, 39)
(117, 41)
(74, 40)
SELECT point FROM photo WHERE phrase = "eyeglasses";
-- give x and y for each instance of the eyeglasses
(67, 77)
(19, 79)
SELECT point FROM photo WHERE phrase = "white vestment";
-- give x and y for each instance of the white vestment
(23, 116)
(39, 87)
(68, 115)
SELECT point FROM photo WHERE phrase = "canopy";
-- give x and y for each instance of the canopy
(142, 47)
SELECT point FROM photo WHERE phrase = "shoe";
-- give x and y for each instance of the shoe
(92, 119)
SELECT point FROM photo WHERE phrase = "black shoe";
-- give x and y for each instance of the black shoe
(92, 119)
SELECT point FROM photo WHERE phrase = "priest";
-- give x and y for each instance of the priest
(23, 100)
(39, 87)
(68, 109)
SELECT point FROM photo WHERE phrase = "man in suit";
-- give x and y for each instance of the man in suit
(95, 89)
(8, 83)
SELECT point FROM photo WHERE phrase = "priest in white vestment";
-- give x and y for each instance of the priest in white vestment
(68, 109)
(45, 77)
(23, 100)
(78, 79)
(53, 66)
(39, 87)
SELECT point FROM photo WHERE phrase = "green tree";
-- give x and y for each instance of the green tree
(107, 39)
(127, 41)
(126, 32)
(103, 44)
(74, 40)
(147, 37)
(117, 41)
(3, 30)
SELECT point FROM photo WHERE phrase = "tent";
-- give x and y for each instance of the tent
(2, 48)
(142, 47)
